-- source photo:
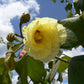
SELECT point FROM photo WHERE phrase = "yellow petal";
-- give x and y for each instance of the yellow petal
(43, 38)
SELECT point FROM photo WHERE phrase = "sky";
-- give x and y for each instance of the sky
(11, 10)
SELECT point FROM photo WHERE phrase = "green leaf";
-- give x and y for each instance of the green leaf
(71, 40)
(60, 78)
(31, 67)
(50, 64)
(63, 65)
(76, 70)
(75, 3)
(35, 69)
(70, 14)
(76, 25)
(68, 6)
(54, 1)
(19, 81)
(62, 1)
(79, 4)
(15, 47)
(9, 44)
(4, 76)
(77, 10)
(2, 66)
(21, 69)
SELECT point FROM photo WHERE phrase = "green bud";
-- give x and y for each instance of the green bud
(25, 18)
(10, 60)
(10, 37)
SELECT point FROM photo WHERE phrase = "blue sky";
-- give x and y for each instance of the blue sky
(47, 9)
(50, 9)
(11, 10)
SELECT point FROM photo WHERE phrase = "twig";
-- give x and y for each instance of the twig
(16, 44)
(53, 71)
(19, 35)
(67, 61)
(18, 48)
(17, 55)
(20, 27)
(64, 54)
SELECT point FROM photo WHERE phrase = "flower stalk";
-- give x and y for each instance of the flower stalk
(19, 35)
(19, 48)
(66, 61)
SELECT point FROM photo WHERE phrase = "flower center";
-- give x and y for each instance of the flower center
(37, 36)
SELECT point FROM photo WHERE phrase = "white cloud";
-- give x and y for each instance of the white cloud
(71, 53)
(2, 49)
(7, 1)
(29, 80)
(74, 51)
(56, 82)
(65, 75)
(15, 79)
(12, 8)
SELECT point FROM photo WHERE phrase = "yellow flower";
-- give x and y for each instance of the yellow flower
(43, 38)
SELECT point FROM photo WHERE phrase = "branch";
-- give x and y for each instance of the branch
(19, 35)
(66, 61)
(16, 44)
(53, 71)
(19, 48)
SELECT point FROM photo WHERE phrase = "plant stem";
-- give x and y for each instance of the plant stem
(19, 48)
(19, 35)
(53, 71)
(67, 61)
(20, 26)
(16, 44)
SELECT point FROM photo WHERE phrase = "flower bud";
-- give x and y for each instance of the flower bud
(10, 37)
(24, 18)
(10, 61)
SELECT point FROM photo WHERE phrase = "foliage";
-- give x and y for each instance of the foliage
(30, 68)
(76, 70)
(74, 25)
(54, 1)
